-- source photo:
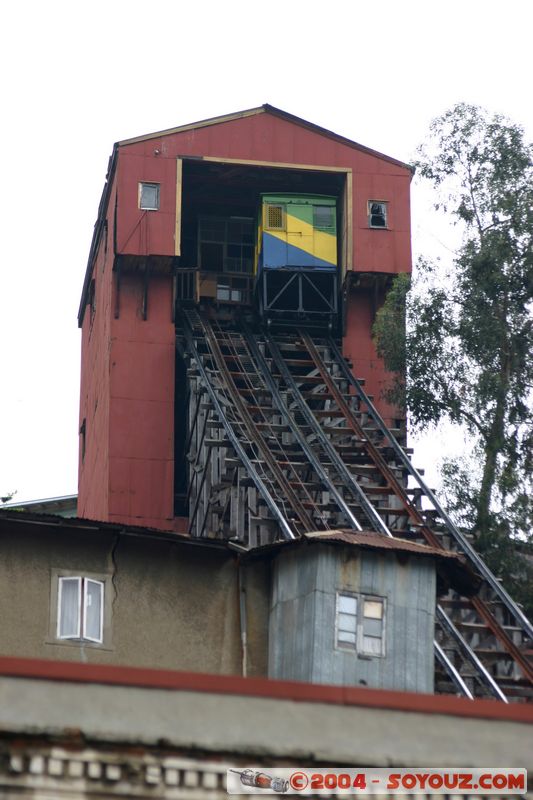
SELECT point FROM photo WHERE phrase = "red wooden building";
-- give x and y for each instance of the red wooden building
(157, 185)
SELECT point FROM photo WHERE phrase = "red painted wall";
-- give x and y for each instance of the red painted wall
(264, 137)
(93, 469)
(359, 348)
(127, 384)
(141, 416)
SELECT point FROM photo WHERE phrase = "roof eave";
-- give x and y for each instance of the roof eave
(266, 108)
(98, 229)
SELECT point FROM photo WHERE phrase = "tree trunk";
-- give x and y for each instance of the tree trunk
(495, 441)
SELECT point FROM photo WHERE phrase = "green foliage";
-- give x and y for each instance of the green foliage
(390, 335)
(467, 348)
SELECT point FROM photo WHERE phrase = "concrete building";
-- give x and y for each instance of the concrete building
(82, 731)
(257, 573)
(170, 601)
(82, 720)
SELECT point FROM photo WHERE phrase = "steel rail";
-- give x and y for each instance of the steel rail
(244, 344)
(295, 430)
(454, 675)
(278, 359)
(480, 607)
(379, 462)
(286, 529)
(499, 631)
(255, 436)
(464, 544)
(450, 628)
(339, 465)
(452, 671)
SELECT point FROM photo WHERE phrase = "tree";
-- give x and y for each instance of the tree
(466, 353)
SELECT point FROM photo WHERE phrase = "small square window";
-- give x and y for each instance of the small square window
(149, 196)
(324, 217)
(377, 214)
(223, 292)
(80, 609)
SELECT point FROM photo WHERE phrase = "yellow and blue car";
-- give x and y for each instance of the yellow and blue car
(296, 258)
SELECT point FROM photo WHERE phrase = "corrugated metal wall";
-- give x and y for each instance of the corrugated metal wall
(302, 638)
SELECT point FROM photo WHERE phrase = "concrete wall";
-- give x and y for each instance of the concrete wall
(167, 605)
(302, 624)
(234, 722)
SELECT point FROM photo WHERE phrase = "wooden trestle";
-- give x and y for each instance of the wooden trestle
(283, 441)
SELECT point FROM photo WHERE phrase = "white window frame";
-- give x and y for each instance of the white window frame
(360, 626)
(385, 205)
(81, 629)
(342, 644)
(358, 647)
(157, 186)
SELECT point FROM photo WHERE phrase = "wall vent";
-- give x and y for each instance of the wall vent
(275, 218)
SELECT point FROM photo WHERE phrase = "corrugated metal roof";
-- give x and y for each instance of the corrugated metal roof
(34, 518)
(370, 539)
(452, 568)
(379, 541)
(266, 108)
(451, 565)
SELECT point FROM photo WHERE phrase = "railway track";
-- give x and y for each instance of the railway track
(284, 440)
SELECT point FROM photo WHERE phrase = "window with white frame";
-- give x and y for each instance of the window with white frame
(377, 214)
(80, 609)
(149, 196)
(361, 623)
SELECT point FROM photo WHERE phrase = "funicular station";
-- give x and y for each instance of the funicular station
(231, 389)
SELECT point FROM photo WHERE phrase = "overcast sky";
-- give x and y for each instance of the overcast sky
(79, 76)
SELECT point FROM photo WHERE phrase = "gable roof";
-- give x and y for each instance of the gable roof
(250, 112)
(273, 111)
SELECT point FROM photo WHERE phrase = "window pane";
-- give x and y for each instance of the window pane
(371, 645)
(68, 623)
(94, 591)
(323, 216)
(347, 622)
(373, 609)
(344, 636)
(150, 196)
(212, 230)
(347, 604)
(378, 215)
(211, 257)
(372, 627)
